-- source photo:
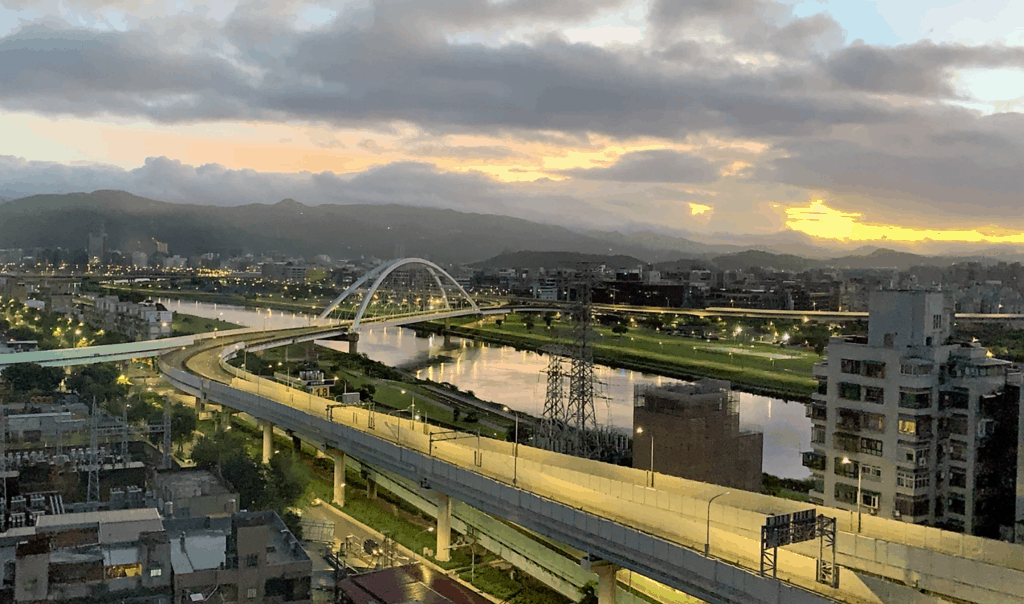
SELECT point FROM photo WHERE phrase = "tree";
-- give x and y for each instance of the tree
(99, 381)
(285, 486)
(528, 322)
(549, 317)
(498, 322)
(26, 377)
(588, 594)
(619, 329)
(184, 421)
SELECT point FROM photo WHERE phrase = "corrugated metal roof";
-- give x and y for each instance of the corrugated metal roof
(413, 584)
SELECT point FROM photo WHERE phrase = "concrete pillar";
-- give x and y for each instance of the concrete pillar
(607, 586)
(296, 444)
(444, 528)
(353, 343)
(200, 406)
(339, 477)
(225, 418)
(268, 440)
(371, 488)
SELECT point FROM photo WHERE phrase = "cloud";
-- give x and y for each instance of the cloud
(654, 166)
(921, 69)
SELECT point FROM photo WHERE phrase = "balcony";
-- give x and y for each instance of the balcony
(814, 460)
(818, 413)
(820, 371)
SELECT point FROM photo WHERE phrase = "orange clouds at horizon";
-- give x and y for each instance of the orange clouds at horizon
(823, 222)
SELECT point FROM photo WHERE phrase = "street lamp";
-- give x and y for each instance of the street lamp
(707, 534)
(640, 430)
(515, 447)
(860, 475)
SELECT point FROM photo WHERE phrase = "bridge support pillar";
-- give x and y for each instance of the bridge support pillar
(225, 418)
(353, 343)
(339, 477)
(444, 528)
(296, 444)
(200, 406)
(268, 439)
(371, 488)
(607, 586)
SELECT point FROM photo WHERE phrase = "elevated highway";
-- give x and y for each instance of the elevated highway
(612, 512)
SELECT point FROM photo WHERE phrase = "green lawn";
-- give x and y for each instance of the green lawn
(185, 325)
(753, 365)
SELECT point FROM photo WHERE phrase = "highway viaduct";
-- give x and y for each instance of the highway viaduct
(608, 511)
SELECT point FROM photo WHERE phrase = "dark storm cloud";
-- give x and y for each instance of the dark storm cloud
(383, 73)
(654, 166)
(958, 173)
(922, 69)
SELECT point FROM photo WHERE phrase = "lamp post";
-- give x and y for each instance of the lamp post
(707, 534)
(515, 447)
(860, 476)
(640, 430)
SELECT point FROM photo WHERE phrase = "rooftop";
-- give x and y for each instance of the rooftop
(185, 483)
(412, 584)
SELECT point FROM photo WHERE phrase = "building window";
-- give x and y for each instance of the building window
(847, 470)
(907, 425)
(869, 499)
(956, 504)
(936, 321)
(915, 369)
(957, 424)
(848, 391)
(912, 506)
(156, 572)
(871, 446)
(251, 593)
(953, 399)
(915, 398)
(873, 473)
(850, 366)
(848, 419)
(958, 478)
(957, 450)
(889, 341)
(874, 369)
(874, 395)
(873, 422)
(845, 493)
(252, 560)
(846, 442)
(818, 435)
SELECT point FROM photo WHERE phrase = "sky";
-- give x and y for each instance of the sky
(845, 121)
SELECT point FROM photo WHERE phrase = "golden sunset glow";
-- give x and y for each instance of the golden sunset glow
(697, 209)
(819, 220)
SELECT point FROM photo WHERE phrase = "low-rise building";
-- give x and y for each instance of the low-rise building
(693, 431)
(283, 271)
(138, 321)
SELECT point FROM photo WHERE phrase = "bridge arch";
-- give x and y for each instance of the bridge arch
(380, 273)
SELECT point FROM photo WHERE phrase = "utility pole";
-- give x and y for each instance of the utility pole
(93, 490)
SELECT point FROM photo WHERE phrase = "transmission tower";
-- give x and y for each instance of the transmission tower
(554, 421)
(3, 464)
(581, 415)
(93, 492)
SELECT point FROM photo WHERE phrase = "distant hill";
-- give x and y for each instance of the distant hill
(885, 258)
(528, 259)
(751, 258)
(341, 231)
(663, 247)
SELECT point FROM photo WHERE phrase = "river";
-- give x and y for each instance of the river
(515, 378)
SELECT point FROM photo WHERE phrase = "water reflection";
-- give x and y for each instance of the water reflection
(515, 378)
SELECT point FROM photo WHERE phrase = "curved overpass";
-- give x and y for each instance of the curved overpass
(609, 511)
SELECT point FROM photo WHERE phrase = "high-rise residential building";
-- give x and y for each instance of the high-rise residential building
(98, 248)
(918, 426)
(693, 431)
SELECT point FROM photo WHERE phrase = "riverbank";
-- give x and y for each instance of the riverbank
(215, 298)
(753, 367)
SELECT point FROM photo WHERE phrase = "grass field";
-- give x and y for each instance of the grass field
(749, 365)
(185, 325)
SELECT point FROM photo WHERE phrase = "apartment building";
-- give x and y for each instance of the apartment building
(911, 424)
(143, 321)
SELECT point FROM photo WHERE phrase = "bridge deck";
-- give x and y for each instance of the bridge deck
(675, 511)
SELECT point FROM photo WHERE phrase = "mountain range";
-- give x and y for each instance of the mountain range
(382, 231)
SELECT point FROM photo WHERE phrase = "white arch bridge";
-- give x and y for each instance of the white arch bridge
(407, 288)
(400, 292)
